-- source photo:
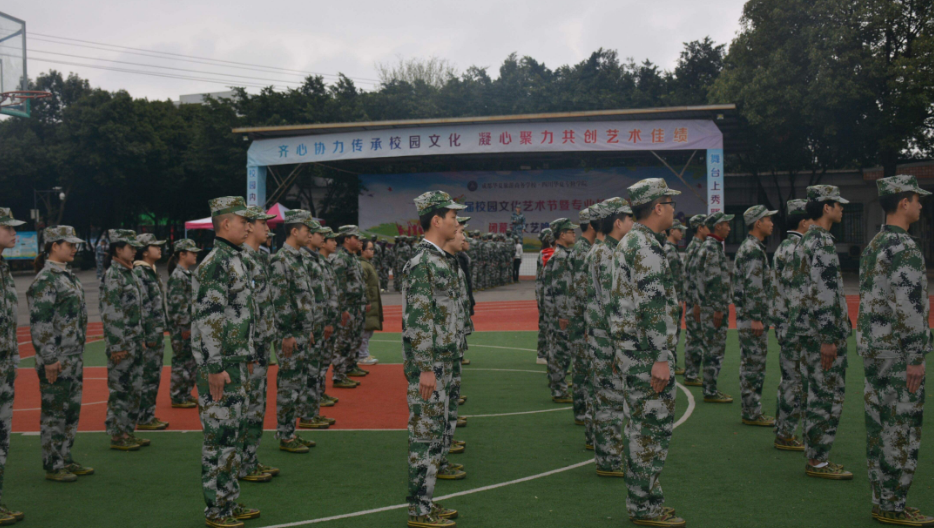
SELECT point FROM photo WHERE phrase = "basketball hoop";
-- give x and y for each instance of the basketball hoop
(18, 97)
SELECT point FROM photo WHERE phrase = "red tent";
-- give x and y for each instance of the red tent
(278, 210)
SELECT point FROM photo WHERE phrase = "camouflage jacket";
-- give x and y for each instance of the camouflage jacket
(559, 275)
(431, 305)
(691, 275)
(153, 302)
(539, 279)
(178, 301)
(258, 268)
(752, 284)
(599, 265)
(58, 315)
(893, 299)
(351, 290)
(783, 271)
(579, 280)
(486, 252)
(325, 306)
(817, 305)
(463, 317)
(121, 307)
(642, 316)
(402, 254)
(224, 311)
(292, 294)
(333, 298)
(9, 303)
(677, 268)
(713, 279)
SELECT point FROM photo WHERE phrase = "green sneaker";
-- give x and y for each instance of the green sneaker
(124, 444)
(154, 425)
(789, 444)
(447, 473)
(358, 373)
(719, 397)
(62, 475)
(306, 443)
(18, 515)
(665, 519)
(763, 420)
(445, 513)
(292, 446)
(562, 399)
(693, 382)
(242, 513)
(256, 476)
(429, 521)
(270, 470)
(345, 384)
(830, 472)
(77, 469)
(142, 442)
(313, 423)
(908, 517)
(224, 522)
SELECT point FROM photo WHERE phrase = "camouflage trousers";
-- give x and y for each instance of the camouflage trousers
(327, 360)
(314, 378)
(453, 396)
(223, 426)
(714, 347)
(791, 391)
(609, 404)
(752, 353)
(427, 422)
(483, 276)
(383, 278)
(473, 274)
(542, 334)
(125, 383)
(348, 342)
(559, 359)
(61, 408)
(893, 431)
(184, 370)
(693, 346)
(397, 279)
(153, 358)
(7, 382)
(582, 376)
(825, 392)
(648, 432)
(290, 388)
(254, 413)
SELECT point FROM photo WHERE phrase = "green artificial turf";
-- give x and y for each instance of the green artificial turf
(719, 473)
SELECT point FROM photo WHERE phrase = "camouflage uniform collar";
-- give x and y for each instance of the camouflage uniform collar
(795, 234)
(429, 244)
(894, 229)
(292, 250)
(145, 264)
(56, 267)
(226, 244)
(756, 240)
(610, 241)
(644, 228)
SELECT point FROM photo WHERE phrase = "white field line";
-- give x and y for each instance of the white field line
(684, 417)
(515, 413)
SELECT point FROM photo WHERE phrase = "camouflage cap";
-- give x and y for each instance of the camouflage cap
(463, 219)
(826, 193)
(348, 230)
(313, 225)
(186, 244)
(718, 218)
(434, 200)
(697, 220)
(898, 184)
(228, 204)
(598, 211)
(796, 206)
(328, 232)
(756, 213)
(679, 225)
(544, 233)
(585, 215)
(256, 213)
(6, 218)
(296, 216)
(62, 232)
(148, 239)
(123, 235)
(562, 224)
(644, 191)
(617, 205)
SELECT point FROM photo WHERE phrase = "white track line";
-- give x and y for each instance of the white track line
(511, 370)
(515, 413)
(40, 408)
(684, 417)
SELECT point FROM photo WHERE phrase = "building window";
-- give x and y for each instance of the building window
(850, 229)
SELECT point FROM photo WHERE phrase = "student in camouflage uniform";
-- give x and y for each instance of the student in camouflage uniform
(614, 220)
(559, 276)
(153, 319)
(9, 349)
(752, 289)
(545, 237)
(713, 297)
(893, 337)
(485, 264)
(693, 342)
(790, 391)
(675, 234)
(222, 340)
(178, 310)
(819, 319)
(333, 313)
(385, 262)
(518, 223)
(430, 345)
(577, 330)
(58, 321)
(397, 256)
(121, 305)
(351, 291)
(293, 299)
(642, 325)
(256, 263)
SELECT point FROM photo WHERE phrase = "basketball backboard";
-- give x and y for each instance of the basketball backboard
(13, 63)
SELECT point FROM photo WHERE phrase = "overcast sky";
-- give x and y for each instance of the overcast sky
(350, 37)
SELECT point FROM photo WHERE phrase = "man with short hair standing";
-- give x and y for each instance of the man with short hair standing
(713, 295)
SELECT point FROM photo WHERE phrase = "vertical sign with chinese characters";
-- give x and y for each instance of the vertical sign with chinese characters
(256, 186)
(715, 192)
